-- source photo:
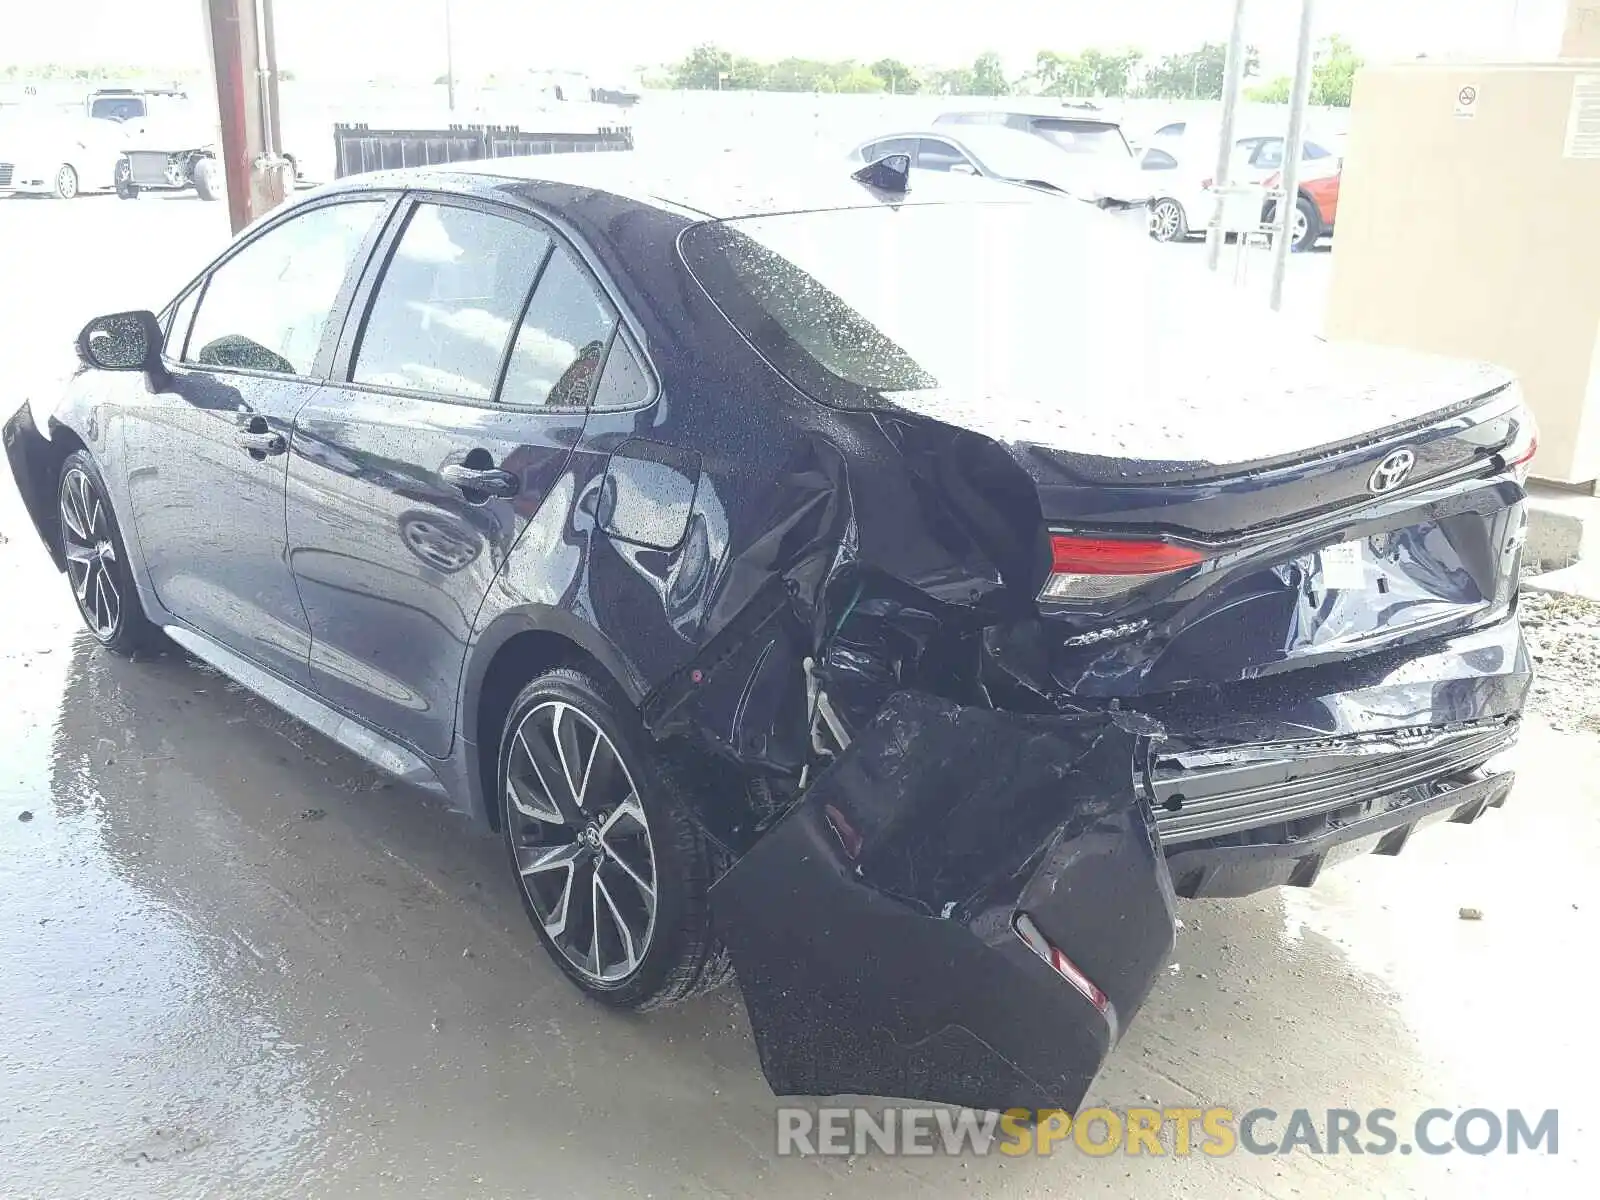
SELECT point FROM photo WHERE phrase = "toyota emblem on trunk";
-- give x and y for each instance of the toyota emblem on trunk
(1391, 472)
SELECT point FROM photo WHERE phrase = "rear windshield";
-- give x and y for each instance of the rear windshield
(973, 300)
(1084, 137)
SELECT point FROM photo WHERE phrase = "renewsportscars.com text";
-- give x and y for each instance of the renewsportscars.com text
(1180, 1132)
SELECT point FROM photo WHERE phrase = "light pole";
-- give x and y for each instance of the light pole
(1293, 147)
(1232, 75)
(449, 60)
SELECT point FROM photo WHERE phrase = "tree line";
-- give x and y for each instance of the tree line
(1192, 75)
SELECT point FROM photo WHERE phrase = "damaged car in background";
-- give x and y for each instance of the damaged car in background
(887, 592)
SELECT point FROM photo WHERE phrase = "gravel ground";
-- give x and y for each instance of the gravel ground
(1564, 635)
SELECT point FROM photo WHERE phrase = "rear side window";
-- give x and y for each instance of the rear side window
(449, 298)
(877, 150)
(936, 155)
(267, 308)
(624, 384)
(561, 341)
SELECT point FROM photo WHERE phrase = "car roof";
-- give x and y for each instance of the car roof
(721, 187)
(1094, 116)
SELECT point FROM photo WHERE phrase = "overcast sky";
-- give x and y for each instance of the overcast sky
(335, 37)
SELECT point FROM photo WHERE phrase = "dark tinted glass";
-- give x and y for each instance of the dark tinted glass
(1094, 138)
(967, 299)
(878, 150)
(562, 340)
(267, 308)
(936, 155)
(624, 383)
(1158, 160)
(178, 325)
(448, 301)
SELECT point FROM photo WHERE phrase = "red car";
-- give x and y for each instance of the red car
(1317, 204)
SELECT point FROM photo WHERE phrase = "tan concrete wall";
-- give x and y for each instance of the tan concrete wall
(1582, 36)
(1475, 236)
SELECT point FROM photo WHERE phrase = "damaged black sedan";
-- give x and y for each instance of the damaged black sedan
(893, 596)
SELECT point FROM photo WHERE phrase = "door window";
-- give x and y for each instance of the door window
(267, 308)
(562, 339)
(624, 383)
(178, 327)
(879, 150)
(936, 155)
(448, 301)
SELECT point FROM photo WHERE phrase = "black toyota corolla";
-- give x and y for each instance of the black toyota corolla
(892, 595)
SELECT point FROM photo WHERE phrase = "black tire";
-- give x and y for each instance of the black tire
(1313, 229)
(66, 182)
(1168, 221)
(682, 957)
(81, 486)
(207, 179)
(122, 180)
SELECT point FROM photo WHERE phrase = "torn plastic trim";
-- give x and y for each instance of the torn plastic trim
(32, 458)
(873, 926)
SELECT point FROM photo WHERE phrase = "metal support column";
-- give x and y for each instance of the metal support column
(1293, 149)
(246, 107)
(1232, 75)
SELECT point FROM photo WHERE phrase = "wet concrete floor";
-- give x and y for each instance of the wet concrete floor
(236, 961)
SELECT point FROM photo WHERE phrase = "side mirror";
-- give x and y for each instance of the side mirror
(129, 341)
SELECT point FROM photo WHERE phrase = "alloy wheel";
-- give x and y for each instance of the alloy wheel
(581, 841)
(90, 550)
(1299, 227)
(1164, 221)
(66, 182)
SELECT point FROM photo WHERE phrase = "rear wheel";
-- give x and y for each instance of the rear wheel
(97, 560)
(1168, 222)
(66, 182)
(207, 179)
(612, 868)
(1307, 226)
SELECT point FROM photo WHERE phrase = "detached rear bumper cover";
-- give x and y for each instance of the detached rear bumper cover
(873, 927)
(28, 452)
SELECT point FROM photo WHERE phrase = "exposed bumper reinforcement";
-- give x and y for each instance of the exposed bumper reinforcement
(1214, 869)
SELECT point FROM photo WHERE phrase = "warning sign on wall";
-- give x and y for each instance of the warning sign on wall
(1583, 119)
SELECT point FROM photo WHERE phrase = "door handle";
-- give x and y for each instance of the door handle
(261, 441)
(484, 481)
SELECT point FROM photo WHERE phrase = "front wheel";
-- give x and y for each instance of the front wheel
(97, 560)
(207, 179)
(66, 182)
(1168, 222)
(612, 867)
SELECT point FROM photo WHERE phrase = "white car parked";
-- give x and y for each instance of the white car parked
(57, 154)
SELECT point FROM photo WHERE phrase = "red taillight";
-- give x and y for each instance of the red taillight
(1519, 455)
(1088, 569)
(1116, 556)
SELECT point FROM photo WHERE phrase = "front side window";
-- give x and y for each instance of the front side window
(178, 324)
(448, 301)
(562, 340)
(267, 308)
